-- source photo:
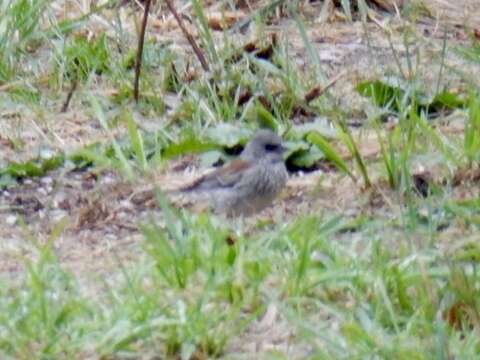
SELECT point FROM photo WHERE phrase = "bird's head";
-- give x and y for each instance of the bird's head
(265, 145)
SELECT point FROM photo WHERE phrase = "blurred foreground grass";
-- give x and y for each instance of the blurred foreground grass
(392, 282)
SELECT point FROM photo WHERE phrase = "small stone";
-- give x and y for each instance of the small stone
(11, 219)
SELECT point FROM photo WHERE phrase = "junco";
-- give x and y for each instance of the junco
(249, 183)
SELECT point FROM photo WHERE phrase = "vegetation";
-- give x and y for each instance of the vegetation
(370, 253)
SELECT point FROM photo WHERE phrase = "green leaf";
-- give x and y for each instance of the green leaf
(265, 117)
(188, 145)
(392, 92)
(84, 56)
(307, 158)
(382, 94)
(448, 100)
(297, 146)
(330, 153)
(225, 134)
(33, 168)
(320, 125)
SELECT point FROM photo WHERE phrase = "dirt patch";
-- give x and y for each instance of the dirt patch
(101, 211)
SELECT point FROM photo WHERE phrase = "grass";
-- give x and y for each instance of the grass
(195, 292)
(382, 268)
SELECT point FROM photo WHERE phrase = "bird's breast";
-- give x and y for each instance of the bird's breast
(271, 178)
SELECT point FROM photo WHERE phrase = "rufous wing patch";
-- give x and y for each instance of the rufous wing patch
(223, 177)
(230, 174)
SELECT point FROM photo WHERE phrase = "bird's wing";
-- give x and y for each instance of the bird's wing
(226, 176)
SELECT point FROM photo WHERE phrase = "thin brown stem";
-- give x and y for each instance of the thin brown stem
(319, 90)
(191, 40)
(141, 40)
(69, 96)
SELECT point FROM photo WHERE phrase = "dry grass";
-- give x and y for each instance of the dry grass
(102, 211)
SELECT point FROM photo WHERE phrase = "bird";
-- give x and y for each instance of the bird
(249, 183)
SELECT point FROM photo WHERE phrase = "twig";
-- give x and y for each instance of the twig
(141, 40)
(69, 96)
(319, 90)
(191, 40)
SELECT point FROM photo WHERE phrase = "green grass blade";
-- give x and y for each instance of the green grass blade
(311, 51)
(206, 37)
(347, 139)
(330, 153)
(125, 165)
(137, 142)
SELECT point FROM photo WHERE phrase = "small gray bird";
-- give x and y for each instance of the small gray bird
(249, 183)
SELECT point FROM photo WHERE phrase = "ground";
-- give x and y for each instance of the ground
(379, 250)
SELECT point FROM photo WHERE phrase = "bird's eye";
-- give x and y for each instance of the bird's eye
(271, 147)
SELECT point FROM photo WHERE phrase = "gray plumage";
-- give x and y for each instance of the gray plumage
(249, 183)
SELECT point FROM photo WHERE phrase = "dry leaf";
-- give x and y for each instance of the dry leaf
(223, 20)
